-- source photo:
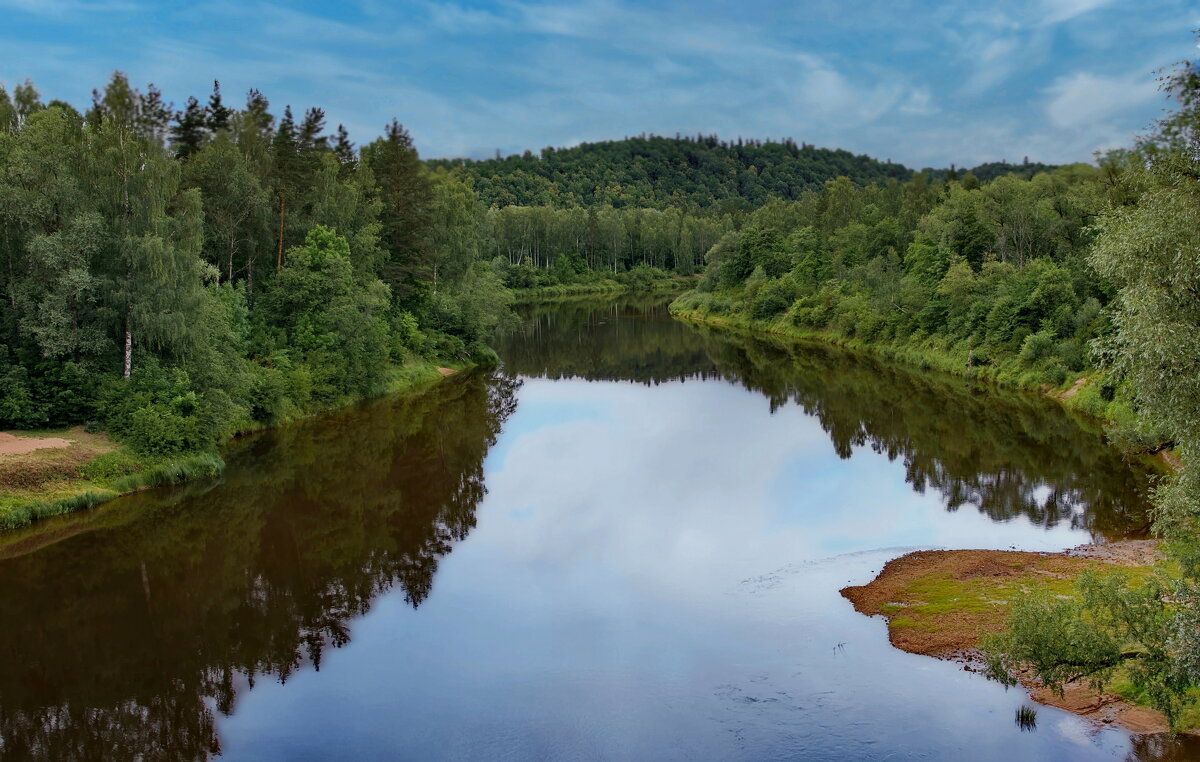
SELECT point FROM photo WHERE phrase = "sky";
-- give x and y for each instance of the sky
(920, 83)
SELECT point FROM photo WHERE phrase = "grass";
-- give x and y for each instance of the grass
(1026, 718)
(91, 471)
(94, 469)
(937, 596)
(545, 293)
(940, 607)
(1189, 715)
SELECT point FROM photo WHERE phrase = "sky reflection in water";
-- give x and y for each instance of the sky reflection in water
(652, 573)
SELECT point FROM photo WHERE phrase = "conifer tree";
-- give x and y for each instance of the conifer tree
(405, 191)
(285, 173)
(343, 149)
(218, 113)
(189, 131)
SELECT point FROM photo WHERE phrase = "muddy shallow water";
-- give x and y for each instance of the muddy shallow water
(627, 543)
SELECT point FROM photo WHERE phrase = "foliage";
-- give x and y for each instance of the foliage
(659, 172)
(248, 271)
(1148, 248)
(993, 273)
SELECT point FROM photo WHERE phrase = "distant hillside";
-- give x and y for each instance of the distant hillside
(990, 171)
(659, 172)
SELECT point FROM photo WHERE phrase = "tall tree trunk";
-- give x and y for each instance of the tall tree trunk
(128, 347)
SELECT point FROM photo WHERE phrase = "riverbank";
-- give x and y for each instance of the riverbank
(602, 287)
(48, 473)
(941, 603)
(1082, 392)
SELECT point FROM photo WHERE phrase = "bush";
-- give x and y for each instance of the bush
(772, 299)
(1056, 374)
(268, 393)
(156, 412)
(1036, 347)
(17, 408)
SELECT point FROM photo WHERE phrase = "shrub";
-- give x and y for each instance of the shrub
(156, 412)
(1036, 347)
(772, 299)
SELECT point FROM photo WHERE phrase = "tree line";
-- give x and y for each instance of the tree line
(692, 172)
(994, 273)
(178, 277)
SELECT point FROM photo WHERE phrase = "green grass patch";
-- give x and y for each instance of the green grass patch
(1189, 715)
(104, 477)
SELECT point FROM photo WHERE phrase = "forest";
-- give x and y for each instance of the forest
(700, 172)
(178, 278)
(174, 277)
(1079, 275)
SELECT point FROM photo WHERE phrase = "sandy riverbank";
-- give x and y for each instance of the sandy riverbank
(940, 603)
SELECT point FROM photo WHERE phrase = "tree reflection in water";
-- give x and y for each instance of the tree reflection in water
(132, 626)
(123, 639)
(1007, 454)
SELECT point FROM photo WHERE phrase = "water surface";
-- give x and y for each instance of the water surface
(624, 544)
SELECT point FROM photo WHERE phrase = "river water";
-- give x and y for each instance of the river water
(625, 543)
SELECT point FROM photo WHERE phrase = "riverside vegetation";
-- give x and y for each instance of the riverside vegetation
(176, 278)
(1079, 278)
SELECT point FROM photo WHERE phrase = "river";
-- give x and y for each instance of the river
(625, 543)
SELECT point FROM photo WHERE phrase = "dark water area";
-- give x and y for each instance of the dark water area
(625, 543)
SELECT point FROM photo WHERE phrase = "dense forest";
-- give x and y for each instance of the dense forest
(658, 172)
(701, 172)
(176, 278)
(992, 274)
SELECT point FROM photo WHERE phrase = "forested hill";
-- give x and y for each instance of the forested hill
(659, 172)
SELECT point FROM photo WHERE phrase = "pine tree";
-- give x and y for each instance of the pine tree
(309, 137)
(405, 191)
(154, 115)
(343, 149)
(286, 174)
(189, 131)
(218, 113)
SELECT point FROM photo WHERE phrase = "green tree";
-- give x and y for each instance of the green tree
(331, 318)
(404, 189)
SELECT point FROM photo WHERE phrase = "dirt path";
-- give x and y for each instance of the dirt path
(1069, 393)
(941, 602)
(11, 445)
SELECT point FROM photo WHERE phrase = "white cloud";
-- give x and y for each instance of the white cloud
(1083, 98)
(919, 103)
(1058, 11)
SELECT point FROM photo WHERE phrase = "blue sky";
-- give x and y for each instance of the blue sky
(919, 83)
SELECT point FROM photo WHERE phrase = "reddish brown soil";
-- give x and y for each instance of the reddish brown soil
(956, 635)
(11, 445)
(1069, 393)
